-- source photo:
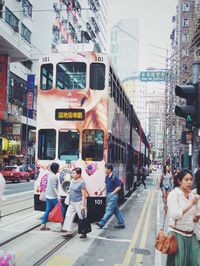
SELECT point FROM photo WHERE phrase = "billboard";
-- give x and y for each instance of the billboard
(3, 84)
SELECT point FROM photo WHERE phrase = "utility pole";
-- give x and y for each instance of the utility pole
(165, 114)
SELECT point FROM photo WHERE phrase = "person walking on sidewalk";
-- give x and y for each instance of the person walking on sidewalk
(52, 196)
(112, 188)
(77, 190)
(197, 216)
(166, 184)
(181, 210)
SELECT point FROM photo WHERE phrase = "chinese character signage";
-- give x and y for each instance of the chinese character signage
(3, 84)
(70, 114)
(153, 76)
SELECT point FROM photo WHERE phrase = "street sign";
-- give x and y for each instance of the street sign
(153, 76)
(29, 100)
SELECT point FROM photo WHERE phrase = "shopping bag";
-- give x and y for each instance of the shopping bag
(42, 196)
(55, 215)
(84, 225)
(67, 199)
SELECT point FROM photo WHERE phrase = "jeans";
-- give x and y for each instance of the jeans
(50, 204)
(111, 208)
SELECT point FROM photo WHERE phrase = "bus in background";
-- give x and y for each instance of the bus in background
(85, 119)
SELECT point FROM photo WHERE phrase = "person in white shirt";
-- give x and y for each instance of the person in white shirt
(181, 210)
(197, 215)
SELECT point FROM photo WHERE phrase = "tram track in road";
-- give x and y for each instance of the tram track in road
(19, 235)
(11, 213)
(54, 250)
(14, 202)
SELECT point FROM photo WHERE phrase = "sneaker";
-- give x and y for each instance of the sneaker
(99, 225)
(44, 228)
(83, 236)
(119, 226)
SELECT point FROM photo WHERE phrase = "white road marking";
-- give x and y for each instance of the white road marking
(110, 239)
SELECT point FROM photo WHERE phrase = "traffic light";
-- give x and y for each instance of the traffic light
(191, 110)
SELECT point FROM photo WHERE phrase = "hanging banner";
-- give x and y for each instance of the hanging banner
(3, 84)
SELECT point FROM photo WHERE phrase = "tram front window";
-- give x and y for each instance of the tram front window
(71, 76)
(93, 144)
(46, 144)
(68, 145)
(46, 77)
(97, 76)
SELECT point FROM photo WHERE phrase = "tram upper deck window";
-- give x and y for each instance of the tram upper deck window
(71, 76)
(93, 145)
(97, 76)
(46, 144)
(46, 77)
(68, 145)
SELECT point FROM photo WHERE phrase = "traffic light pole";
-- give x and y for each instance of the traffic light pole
(194, 148)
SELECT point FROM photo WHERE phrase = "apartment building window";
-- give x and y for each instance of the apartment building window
(185, 68)
(186, 7)
(12, 20)
(27, 8)
(185, 22)
(26, 33)
(185, 52)
(185, 37)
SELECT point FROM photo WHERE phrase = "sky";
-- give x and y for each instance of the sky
(155, 19)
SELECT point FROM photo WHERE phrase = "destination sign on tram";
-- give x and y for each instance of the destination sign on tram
(70, 114)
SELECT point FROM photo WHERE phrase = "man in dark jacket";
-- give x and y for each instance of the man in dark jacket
(112, 188)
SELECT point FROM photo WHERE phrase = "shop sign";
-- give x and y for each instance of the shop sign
(3, 84)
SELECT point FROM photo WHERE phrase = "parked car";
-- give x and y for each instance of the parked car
(15, 173)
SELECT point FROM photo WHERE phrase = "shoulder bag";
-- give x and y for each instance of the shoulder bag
(165, 243)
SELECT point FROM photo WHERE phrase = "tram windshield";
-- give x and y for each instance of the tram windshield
(46, 144)
(68, 145)
(71, 76)
(93, 143)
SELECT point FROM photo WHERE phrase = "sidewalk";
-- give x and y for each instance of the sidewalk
(160, 259)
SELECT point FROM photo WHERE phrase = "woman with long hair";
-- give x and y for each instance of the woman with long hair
(166, 183)
(77, 204)
(181, 204)
(197, 215)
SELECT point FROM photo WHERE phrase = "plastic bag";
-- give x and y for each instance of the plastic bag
(55, 215)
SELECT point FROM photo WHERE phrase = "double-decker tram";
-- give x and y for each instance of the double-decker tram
(85, 119)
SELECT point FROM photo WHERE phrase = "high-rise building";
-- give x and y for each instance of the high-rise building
(71, 21)
(29, 29)
(124, 47)
(16, 30)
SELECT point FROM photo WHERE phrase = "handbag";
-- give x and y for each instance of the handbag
(42, 196)
(84, 225)
(67, 199)
(55, 215)
(165, 243)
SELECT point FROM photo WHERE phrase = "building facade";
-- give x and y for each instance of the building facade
(28, 30)
(124, 47)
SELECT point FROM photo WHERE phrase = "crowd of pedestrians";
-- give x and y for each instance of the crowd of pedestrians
(77, 199)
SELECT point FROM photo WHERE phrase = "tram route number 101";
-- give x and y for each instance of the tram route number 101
(99, 58)
(98, 201)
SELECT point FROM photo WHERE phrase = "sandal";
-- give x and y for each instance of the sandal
(44, 228)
